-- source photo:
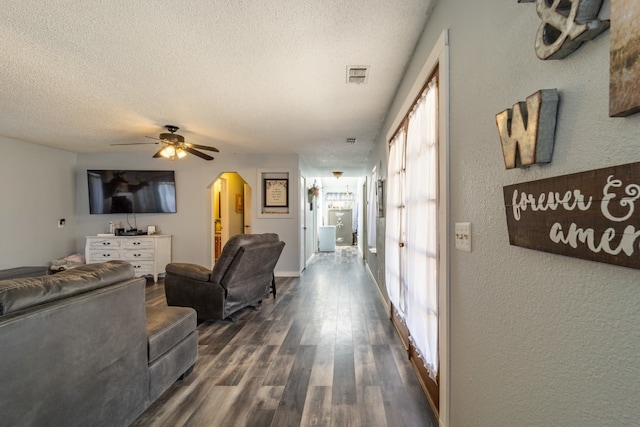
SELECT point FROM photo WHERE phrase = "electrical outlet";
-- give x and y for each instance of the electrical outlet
(463, 236)
(61, 222)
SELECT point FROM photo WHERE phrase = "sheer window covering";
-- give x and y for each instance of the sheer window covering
(394, 198)
(421, 206)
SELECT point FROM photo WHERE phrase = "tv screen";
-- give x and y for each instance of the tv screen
(131, 191)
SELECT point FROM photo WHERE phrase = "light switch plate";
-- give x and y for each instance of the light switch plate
(463, 236)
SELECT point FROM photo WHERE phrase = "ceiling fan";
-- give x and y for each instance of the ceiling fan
(174, 145)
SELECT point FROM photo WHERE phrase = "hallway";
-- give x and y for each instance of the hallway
(323, 353)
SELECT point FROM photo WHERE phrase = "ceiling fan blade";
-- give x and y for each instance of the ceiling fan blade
(152, 137)
(137, 143)
(203, 147)
(197, 153)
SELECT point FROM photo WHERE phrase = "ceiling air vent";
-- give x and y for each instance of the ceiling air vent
(351, 140)
(357, 74)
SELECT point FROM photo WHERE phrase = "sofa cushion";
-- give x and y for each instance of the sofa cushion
(18, 294)
(170, 366)
(167, 326)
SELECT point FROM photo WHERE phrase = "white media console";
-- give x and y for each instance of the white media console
(149, 255)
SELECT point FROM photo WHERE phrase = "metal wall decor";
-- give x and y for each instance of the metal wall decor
(590, 215)
(566, 24)
(524, 144)
(380, 198)
(624, 86)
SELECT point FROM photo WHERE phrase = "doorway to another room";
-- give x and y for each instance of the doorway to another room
(339, 212)
(231, 209)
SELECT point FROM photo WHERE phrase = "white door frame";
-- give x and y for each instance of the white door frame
(303, 223)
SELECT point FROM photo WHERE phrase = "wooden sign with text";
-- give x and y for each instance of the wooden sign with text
(593, 215)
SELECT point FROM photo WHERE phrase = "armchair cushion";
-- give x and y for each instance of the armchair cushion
(192, 271)
(231, 248)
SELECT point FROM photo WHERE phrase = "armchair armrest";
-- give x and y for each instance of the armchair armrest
(192, 271)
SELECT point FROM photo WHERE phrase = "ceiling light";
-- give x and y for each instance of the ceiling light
(168, 152)
(337, 174)
(171, 152)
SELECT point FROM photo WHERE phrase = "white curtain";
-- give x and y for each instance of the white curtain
(420, 270)
(394, 195)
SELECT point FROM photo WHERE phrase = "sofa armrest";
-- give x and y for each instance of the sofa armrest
(192, 271)
(25, 292)
(18, 272)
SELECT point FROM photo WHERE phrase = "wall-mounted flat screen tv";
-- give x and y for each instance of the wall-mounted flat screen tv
(131, 191)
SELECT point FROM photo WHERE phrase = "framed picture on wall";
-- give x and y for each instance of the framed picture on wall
(239, 203)
(624, 86)
(275, 196)
(276, 193)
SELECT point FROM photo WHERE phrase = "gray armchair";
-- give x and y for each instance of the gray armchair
(241, 277)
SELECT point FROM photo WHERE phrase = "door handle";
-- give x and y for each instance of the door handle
(401, 244)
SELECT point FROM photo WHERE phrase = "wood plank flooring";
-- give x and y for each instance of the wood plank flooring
(323, 353)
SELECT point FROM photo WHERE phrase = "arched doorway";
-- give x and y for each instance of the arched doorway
(231, 209)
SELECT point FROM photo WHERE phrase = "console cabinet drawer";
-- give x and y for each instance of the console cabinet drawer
(102, 243)
(145, 243)
(149, 255)
(133, 254)
(142, 268)
(102, 255)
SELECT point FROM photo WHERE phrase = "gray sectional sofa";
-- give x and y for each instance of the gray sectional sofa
(80, 348)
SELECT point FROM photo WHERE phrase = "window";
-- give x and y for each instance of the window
(411, 268)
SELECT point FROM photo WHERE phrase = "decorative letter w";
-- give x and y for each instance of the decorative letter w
(528, 129)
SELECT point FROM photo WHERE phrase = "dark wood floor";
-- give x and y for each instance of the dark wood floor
(322, 354)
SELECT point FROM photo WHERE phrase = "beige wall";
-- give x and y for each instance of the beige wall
(191, 226)
(42, 185)
(536, 339)
(37, 189)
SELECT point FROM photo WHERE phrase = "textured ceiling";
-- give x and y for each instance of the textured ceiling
(244, 76)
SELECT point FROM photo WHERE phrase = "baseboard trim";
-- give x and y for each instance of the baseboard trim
(375, 283)
(287, 273)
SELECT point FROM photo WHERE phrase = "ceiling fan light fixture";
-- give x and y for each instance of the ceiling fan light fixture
(168, 152)
(172, 152)
(174, 146)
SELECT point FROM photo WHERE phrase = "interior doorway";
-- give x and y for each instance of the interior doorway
(341, 208)
(231, 209)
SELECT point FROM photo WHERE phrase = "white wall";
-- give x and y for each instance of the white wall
(36, 191)
(191, 225)
(536, 339)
